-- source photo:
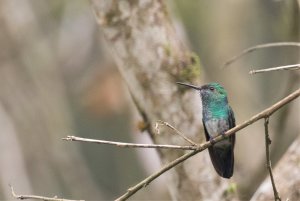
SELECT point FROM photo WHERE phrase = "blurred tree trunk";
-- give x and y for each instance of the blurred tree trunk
(151, 59)
(35, 113)
(286, 176)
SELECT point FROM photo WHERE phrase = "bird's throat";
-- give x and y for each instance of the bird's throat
(216, 110)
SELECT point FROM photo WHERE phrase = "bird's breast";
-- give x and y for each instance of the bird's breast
(215, 127)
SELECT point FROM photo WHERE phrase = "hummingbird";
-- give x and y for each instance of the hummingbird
(217, 118)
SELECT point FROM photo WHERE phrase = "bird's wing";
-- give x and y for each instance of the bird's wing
(207, 136)
(231, 118)
(231, 121)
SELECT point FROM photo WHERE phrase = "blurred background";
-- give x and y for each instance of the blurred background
(57, 79)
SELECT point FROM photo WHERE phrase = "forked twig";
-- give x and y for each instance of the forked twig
(176, 130)
(269, 165)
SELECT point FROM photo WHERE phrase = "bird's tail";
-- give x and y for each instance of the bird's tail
(222, 159)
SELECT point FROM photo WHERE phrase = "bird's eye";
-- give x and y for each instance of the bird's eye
(211, 88)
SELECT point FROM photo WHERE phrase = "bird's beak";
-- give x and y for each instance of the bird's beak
(189, 85)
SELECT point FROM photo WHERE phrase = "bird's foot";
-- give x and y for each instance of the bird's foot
(223, 134)
(212, 140)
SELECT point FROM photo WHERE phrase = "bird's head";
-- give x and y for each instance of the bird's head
(209, 92)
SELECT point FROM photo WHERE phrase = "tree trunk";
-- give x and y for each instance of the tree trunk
(151, 59)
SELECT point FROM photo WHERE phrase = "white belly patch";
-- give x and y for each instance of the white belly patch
(215, 127)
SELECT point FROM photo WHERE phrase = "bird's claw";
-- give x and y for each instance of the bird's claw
(212, 140)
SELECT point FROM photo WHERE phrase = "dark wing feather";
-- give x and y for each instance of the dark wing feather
(205, 131)
(231, 121)
(230, 157)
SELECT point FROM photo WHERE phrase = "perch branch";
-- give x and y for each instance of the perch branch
(264, 114)
(131, 191)
(129, 145)
(253, 48)
(159, 122)
(36, 197)
(269, 165)
(287, 67)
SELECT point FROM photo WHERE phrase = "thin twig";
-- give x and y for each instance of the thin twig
(287, 67)
(36, 197)
(269, 165)
(256, 47)
(129, 145)
(177, 131)
(264, 114)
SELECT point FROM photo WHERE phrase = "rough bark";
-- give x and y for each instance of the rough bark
(286, 175)
(151, 58)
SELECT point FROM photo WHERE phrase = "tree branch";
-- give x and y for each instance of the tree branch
(36, 197)
(269, 165)
(132, 190)
(256, 47)
(287, 67)
(129, 145)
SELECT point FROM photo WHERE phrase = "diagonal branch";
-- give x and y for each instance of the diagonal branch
(264, 114)
(132, 190)
(256, 47)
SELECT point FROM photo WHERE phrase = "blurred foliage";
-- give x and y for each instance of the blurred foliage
(58, 79)
(58, 71)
